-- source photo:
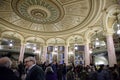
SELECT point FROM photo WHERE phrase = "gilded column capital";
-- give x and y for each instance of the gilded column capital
(23, 42)
(109, 32)
(45, 44)
(66, 44)
(87, 41)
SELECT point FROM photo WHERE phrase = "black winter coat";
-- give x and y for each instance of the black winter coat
(7, 74)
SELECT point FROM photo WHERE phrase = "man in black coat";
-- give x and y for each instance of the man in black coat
(21, 69)
(34, 72)
(5, 72)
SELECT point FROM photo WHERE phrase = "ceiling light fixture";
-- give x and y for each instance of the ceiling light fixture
(55, 46)
(97, 43)
(75, 45)
(35, 45)
(11, 43)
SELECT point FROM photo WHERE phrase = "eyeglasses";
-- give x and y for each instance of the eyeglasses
(27, 61)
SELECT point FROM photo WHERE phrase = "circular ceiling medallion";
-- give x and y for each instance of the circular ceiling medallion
(38, 11)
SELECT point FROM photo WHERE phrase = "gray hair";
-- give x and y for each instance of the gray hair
(49, 69)
(5, 61)
(31, 59)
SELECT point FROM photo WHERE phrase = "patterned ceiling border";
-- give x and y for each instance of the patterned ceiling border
(38, 11)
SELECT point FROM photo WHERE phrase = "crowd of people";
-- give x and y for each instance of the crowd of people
(30, 70)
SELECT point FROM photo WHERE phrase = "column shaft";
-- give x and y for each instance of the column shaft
(43, 58)
(66, 55)
(22, 50)
(87, 55)
(111, 51)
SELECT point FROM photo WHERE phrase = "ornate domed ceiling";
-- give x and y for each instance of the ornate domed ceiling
(47, 20)
(49, 17)
(39, 11)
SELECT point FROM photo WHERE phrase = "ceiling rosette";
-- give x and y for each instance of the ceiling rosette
(38, 11)
(49, 17)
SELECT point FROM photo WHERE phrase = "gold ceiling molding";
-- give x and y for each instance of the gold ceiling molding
(38, 11)
(37, 17)
(77, 15)
(12, 35)
(35, 39)
(76, 38)
(55, 41)
(61, 19)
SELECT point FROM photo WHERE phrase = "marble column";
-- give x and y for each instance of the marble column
(66, 54)
(44, 54)
(39, 54)
(111, 50)
(22, 50)
(87, 54)
(0, 40)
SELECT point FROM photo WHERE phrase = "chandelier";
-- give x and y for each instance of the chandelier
(55, 46)
(97, 42)
(11, 43)
(76, 45)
